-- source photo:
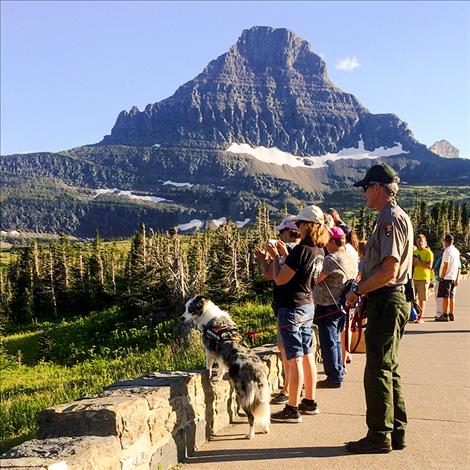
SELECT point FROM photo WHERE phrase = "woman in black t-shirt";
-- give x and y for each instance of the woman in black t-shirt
(293, 297)
(288, 239)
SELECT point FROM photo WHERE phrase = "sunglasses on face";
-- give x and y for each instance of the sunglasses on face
(299, 223)
(369, 185)
(284, 230)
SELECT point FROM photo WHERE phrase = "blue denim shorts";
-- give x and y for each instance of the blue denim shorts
(295, 329)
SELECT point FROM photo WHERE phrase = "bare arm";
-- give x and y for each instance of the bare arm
(268, 269)
(321, 277)
(445, 267)
(266, 263)
(281, 275)
(418, 262)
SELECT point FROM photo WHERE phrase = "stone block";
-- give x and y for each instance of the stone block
(197, 434)
(139, 455)
(32, 463)
(113, 415)
(71, 453)
(156, 396)
(161, 425)
(174, 448)
(165, 456)
(274, 370)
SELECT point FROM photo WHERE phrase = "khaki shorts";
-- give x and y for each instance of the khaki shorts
(421, 290)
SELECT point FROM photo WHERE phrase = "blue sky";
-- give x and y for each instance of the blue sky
(69, 68)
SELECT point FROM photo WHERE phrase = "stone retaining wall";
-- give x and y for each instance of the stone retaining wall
(149, 423)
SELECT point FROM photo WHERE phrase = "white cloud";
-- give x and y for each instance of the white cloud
(348, 63)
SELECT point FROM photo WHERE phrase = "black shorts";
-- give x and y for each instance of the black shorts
(446, 289)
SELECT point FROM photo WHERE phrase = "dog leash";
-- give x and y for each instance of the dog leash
(253, 334)
(356, 326)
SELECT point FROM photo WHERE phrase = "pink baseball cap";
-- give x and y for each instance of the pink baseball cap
(336, 232)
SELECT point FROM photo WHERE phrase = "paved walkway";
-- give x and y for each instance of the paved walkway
(435, 370)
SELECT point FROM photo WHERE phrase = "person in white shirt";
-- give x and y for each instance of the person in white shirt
(449, 278)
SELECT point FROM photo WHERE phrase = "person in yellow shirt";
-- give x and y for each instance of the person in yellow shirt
(423, 259)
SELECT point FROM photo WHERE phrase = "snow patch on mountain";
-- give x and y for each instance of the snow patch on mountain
(129, 194)
(191, 225)
(178, 185)
(212, 224)
(278, 157)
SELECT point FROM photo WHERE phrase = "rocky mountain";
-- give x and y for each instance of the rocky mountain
(270, 89)
(262, 122)
(445, 149)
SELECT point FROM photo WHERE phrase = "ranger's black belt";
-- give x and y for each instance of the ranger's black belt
(387, 290)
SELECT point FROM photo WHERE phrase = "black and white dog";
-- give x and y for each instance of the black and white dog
(246, 370)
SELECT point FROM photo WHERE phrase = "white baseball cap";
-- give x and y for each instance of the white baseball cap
(287, 223)
(310, 214)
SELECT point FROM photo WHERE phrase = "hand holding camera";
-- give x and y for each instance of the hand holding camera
(271, 248)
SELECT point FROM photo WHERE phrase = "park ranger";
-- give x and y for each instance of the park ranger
(384, 286)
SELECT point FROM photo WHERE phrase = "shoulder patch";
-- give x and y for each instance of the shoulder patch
(389, 229)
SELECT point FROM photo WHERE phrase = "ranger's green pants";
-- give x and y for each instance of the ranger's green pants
(387, 315)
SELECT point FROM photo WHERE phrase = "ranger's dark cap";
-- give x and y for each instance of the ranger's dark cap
(381, 173)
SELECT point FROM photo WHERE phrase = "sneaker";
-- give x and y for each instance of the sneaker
(309, 408)
(451, 317)
(366, 446)
(289, 414)
(442, 318)
(279, 399)
(327, 384)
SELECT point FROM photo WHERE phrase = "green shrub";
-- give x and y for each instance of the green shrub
(89, 353)
(26, 390)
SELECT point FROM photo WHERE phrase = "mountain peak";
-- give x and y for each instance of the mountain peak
(264, 46)
(269, 89)
(265, 35)
(445, 149)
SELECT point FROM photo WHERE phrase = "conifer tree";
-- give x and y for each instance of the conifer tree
(178, 272)
(199, 263)
(5, 298)
(96, 275)
(52, 288)
(22, 304)
(361, 224)
(226, 277)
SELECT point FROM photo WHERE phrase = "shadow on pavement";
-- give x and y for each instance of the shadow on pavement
(423, 332)
(232, 455)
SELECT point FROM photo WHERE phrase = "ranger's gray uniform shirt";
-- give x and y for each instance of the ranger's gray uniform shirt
(392, 236)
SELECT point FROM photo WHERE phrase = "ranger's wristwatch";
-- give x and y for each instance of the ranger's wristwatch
(355, 289)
